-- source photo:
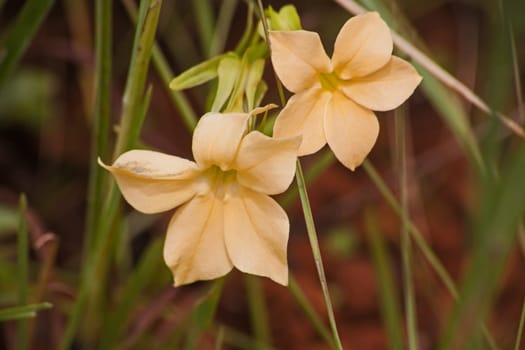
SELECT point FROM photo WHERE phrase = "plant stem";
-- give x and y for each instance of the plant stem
(23, 257)
(312, 236)
(406, 246)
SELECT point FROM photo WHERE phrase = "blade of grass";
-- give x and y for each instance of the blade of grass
(310, 312)
(519, 332)
(23, 275)
(495, 237)
(19, 312)
(419, 240)
(160, 63)
(203, 13)
(23, 30)
(116, 321)
(222, 27)
(95, 271)
(390, 309)
(406, 244)
(312, 236)
(258, 314)
(101, 119)
(442, 75)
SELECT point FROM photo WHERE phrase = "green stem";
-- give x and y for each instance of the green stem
(101, 119)
(160, 63)
(312, 236)
(520, 327)
(309, 310)
(259, 316)
(406, 246)
(23, 257)
(431, 257)
(205, 24)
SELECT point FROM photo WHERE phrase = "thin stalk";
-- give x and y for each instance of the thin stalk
(101, 119)
(222, 27)
(310, 312)
(406, 246)
(418, 238)
(95, 271)
(205, 23)
(23, 261)
(162, 67)
(258, 314)
(520, 327)
(312, 236)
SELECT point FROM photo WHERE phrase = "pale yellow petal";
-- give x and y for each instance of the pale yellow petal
(153, 182)
(297, 57)
(265, 164)
(351, 130)
(216, 138)
(303, 115)
(256, 232)
(386, 88)
(195, 248)
(364, 44)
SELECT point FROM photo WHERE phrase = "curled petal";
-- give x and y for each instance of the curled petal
(386, 88)
(256, 232)
(303, 115)
(194, 248)
(351, 130)
(216, 138)
(265, 164)
(153, 182)
(364, 44)
(297, 57)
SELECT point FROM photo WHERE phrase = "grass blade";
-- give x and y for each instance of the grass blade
(387, 290)
(23, 274)
(24, 28)
(19, 312)
(258, 314)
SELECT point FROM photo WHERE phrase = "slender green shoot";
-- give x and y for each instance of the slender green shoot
(23, 274)
(312, 236)
(22, 31)
(258, 314)
(406, 245)
(388, 294)
(520, 327)
(20, 312)
(101, 119)
(222, 27)
(205, 24)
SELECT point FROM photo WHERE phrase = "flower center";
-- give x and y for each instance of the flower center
(223, 183)
(329, 81)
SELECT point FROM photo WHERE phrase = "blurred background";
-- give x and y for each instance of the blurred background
(46, 118)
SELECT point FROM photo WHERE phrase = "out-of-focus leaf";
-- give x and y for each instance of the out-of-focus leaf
(198, 74)
(20, 312)
(228, 73)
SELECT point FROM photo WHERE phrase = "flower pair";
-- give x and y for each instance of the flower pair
(226, 217)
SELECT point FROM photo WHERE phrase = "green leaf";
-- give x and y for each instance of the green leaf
(228, 73)
(197, 75)
(20, 312)
(254, 77)
(24, 28)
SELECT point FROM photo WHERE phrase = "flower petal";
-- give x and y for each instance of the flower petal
(386, 88)
(256, 234)
(303, 115)
(153, 182)
(216, 138)
(194, 248)
(351, 130)
(297, 57)
(364, 44)
(265, 164)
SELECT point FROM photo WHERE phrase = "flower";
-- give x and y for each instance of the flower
(226, 217)
(334, 99)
